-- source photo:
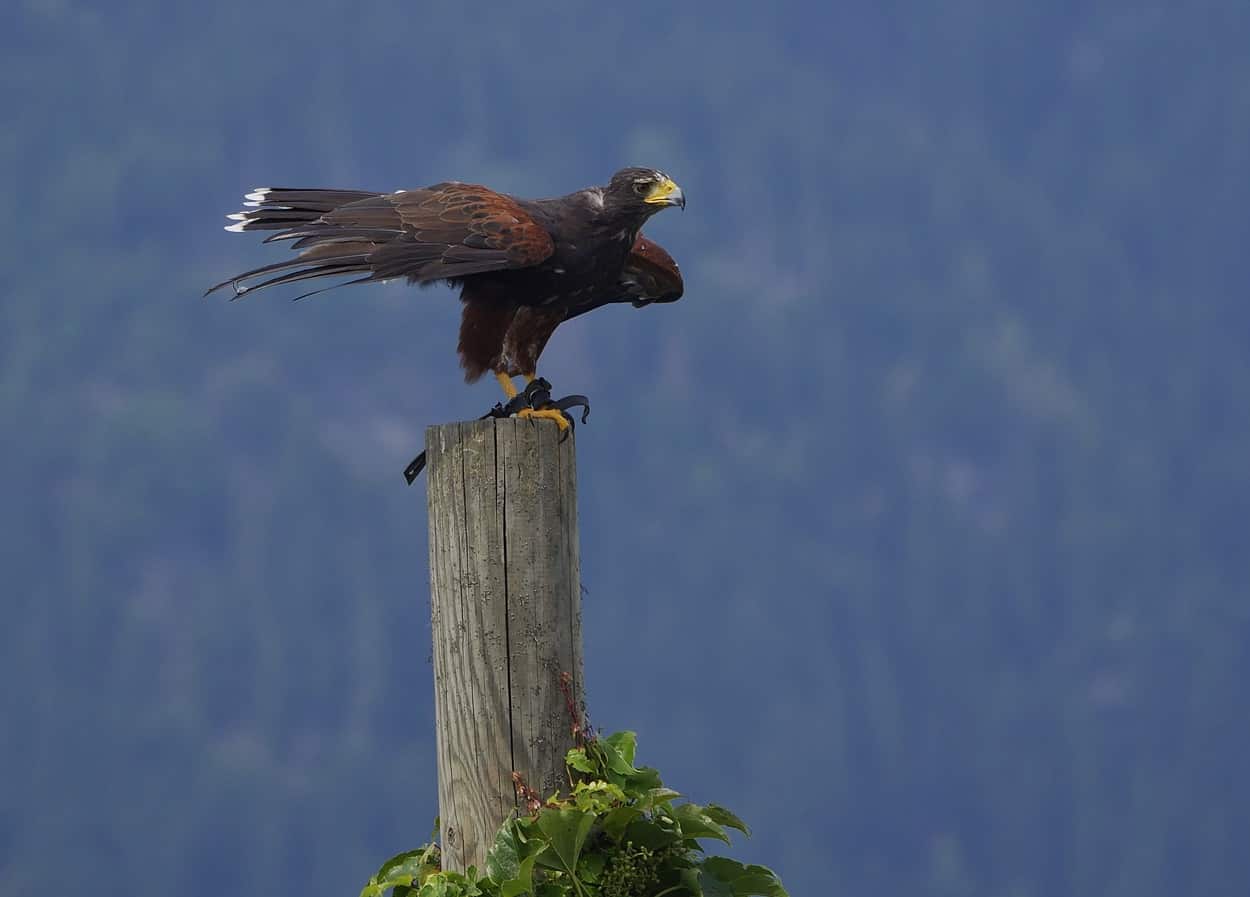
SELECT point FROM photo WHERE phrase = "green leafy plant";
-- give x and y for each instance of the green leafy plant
(617, 833)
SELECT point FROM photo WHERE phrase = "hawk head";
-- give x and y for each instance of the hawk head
(642, 192)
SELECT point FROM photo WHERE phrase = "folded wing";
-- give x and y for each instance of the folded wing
(650, 275)
(446, 231)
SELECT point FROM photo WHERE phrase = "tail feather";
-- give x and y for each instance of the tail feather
(312, 236)
(274, 208)
(368, 278)
(328, 199)
(323, 261)
(324, 250)
(332, 268)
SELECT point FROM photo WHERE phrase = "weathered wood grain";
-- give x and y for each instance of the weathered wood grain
(506, 618)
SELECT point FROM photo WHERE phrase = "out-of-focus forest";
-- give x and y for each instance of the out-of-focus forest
(927, 505)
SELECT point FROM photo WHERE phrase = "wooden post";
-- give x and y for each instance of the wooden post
(506, 618)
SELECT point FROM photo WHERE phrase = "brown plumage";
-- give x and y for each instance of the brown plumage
(522, 266)
(648, 275)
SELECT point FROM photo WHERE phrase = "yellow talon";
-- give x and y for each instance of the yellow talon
(554, 414)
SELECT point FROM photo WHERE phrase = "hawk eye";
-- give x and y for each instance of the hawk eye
(642, 186)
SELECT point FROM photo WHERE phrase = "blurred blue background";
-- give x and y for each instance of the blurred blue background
(915, 533)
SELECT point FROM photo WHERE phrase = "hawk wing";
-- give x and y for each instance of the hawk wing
(649, 275)
(446, 231)
(491, 335)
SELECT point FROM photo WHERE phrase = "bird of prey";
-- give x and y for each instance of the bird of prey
(523, 266)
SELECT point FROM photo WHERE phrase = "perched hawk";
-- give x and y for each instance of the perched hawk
(523, 266)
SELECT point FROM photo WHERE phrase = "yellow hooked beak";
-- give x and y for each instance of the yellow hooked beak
(666, 193)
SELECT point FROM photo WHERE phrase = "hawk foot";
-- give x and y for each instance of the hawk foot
(563, 421)
(533, 402)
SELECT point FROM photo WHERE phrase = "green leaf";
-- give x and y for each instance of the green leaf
(682, 877)
(566, 832)
(688, 880)
(576, 759)
(644, 779)
(615, 768)
(617, 760)
(651, 833)
(655, 796)
(523, 882)
(615, 821)
(597, 796)
(402, 869)
(719, 814)
(451, 884)
(439, 886)
(613, 757)
(723, 877)
(625, 745)
(407, 863)
(591, 866)
(503, 862)
(696, 823)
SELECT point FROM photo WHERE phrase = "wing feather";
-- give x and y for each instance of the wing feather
(649, 275)
(446, 231)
